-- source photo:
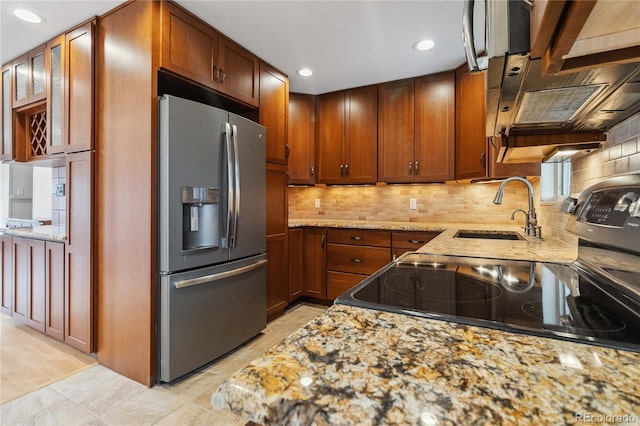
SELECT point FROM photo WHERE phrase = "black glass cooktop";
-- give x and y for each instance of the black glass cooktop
(547, 299)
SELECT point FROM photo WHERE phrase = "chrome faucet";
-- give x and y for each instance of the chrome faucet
(531, 229)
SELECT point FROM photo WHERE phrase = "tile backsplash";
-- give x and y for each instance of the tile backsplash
(58, 203)
(450, 202)
(619, 155)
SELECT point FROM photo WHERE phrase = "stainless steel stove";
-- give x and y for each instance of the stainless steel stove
(594, 300)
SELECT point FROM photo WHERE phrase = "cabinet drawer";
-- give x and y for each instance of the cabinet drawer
(412, 240)
(339, 282)
(355, 259)
(359, 237)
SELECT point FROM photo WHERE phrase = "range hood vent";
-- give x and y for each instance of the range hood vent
(555, 105)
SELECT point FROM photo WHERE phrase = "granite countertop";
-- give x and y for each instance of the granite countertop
(45, 232)
(545, 250)
(359, 366)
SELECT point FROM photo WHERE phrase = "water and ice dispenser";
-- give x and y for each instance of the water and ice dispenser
(199, 217)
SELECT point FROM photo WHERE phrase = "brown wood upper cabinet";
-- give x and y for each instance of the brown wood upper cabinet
(347, 136)
(302, 138)
(575, 35)
(274, 106)
(29, 77)
(55, 55)
(79, 88)
(6, 114)
(193, 49)
(416, 129)
(471, 142)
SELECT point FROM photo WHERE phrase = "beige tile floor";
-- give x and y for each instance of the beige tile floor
(98, 396)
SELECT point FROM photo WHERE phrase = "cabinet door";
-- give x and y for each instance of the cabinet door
(471, 142)
(330, 138)
(277, 274)
(296, 268)
(435, 128)
(238, 73)
(20, 85)
(396, 131)
(37, 286)
(79, 88)
(54, 285)
(6, 115)
(78, 276)
(55, 55)
(29, 73)
(21, 276)
(361, 134)
(315, 262)
(6, 274)
(356, 259)
(188, 46)
(274, 104)
(302, 138)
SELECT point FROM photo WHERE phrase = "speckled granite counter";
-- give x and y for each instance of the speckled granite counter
(547, 250)
(359, 366)
(45, 232)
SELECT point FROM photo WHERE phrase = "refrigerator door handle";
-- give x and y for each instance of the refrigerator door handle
(236, 208)
(227, 241)
(219, 276)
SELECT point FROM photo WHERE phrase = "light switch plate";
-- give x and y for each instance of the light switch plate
(413, 205)
(317, 203)
(60, 190)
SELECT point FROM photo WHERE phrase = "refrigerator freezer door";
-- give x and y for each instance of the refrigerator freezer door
(249, 140)
(192, 173)
(208, 312)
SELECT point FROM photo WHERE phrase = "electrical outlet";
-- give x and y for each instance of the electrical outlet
(317, 203)
(413, 204)
(60, 190)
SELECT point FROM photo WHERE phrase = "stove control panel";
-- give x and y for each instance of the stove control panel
(612, 207)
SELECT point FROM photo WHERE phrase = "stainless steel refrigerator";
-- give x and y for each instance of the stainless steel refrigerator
(211, 233)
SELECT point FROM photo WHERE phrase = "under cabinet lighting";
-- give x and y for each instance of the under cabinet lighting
(565, 152)
(28, 16)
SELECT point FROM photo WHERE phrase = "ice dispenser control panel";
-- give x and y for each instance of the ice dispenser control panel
(199, 217)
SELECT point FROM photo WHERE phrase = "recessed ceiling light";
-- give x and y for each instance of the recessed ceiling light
(28, 16)
(304, 72)
(423, 45)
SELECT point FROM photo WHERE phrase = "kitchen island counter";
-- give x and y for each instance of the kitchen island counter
(359, 366)
(545, 250)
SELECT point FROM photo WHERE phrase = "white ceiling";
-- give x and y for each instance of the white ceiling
(346, 43)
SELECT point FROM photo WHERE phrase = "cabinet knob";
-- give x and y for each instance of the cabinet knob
(216, 73)
(341, 170)
(222, 75)
(287, 151)
(416, 241)
(322, 240)
(417, 166)
(357, 238)
(482, 161)
(346, 170)
(356, 260)
(410, 167)
(313, 171)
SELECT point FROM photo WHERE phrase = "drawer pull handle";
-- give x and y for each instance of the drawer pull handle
(357, 238)
(416, 241)
(357, 260)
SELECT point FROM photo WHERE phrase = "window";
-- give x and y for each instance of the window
(555, 181)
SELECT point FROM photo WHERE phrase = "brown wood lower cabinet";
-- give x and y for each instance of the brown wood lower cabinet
(54, 289)
(6, 274)
(315, 261)
(79, 287)
(352, 255)
(277, 292)
(296, 265)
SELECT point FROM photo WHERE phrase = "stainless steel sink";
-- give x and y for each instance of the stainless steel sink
(489, 235)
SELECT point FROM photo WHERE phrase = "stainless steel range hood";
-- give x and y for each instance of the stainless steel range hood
(522, 102)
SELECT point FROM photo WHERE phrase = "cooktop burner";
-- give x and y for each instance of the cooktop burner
(538, 298)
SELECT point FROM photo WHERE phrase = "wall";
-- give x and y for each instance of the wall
(451, 202)
(619, 155)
